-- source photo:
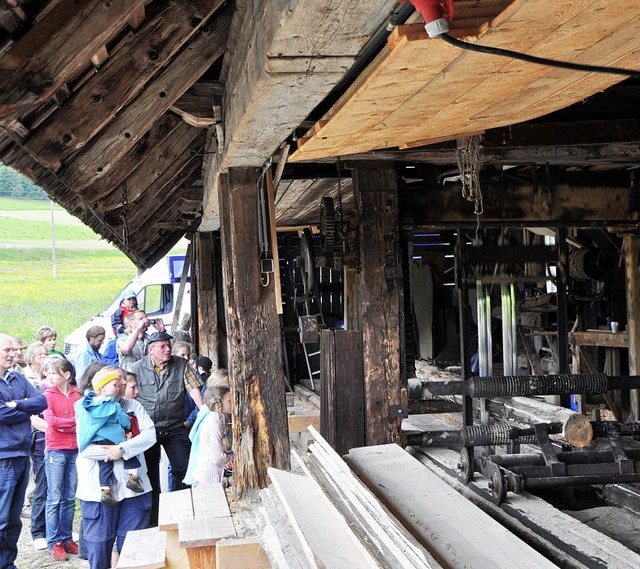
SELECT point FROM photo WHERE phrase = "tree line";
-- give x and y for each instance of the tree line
(15, 185)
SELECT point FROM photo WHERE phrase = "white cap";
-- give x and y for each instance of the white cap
(437, 27)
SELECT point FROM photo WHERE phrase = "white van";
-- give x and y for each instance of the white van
(156, 290)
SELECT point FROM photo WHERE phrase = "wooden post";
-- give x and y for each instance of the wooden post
(631, 250)
(380, 288)
(207, 294)
(351, 304)
(342, 390)
(260, 430)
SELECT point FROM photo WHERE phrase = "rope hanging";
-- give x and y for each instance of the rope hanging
(468, 157)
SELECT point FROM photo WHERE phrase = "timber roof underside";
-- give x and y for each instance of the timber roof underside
(125, 111)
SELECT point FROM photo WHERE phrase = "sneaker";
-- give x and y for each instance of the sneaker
(134, 483)
(71, 547)
(40, 543)
(58, 552)
(107, 499)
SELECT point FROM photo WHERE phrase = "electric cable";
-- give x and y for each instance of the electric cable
(538, 60)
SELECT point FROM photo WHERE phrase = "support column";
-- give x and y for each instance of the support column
(631, 251)
(207, 295)
(380, 287)
(260, 429)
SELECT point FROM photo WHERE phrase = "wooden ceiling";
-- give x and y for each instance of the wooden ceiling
(420, 91)
(126, 111)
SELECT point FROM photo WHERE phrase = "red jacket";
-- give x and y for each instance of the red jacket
(61, 419)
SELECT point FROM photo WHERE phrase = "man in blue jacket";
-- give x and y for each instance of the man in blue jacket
(18, 401)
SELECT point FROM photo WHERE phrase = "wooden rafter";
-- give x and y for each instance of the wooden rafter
(57, 48)
(119, 81)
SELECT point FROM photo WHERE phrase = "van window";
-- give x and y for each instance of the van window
(156, 299)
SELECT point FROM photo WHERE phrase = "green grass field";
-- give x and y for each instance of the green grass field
(10, 204)
(87, 279)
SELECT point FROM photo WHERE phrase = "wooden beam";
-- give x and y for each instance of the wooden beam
(56, 49)
(380, 287)
(518, 203)
(631, 253)
(119, 81)
(99, 157)
(284, 62)
(162, 165)
(142, 151)
(255, 360)
(196, 105)
(208, 266)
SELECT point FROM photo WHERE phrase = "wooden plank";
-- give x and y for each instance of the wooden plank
(208, 265)
(201, 557)
(56, 49)
(405, 97)
(299, 423)
(604, 338)
(389, 540)
(380, 298)
(98, 158)
(318, 524)
(631, 253)
(120, 80)
(174, 507)
(273, 238)
(210, 502)
(203, 532)
(196, 105)
(143, 549)
(453, 529)
(244, 553)
(176, 555)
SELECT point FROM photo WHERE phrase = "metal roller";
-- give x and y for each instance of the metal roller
(528, 385)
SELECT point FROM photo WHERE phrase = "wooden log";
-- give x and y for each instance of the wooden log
(380, 289)
(456, 532)
(256, 365)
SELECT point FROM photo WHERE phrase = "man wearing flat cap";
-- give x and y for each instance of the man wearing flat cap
(162, 382)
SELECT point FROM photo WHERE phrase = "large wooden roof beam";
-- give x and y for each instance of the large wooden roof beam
(120, 79)
(288, 58)
(57, 48)
(99, 157)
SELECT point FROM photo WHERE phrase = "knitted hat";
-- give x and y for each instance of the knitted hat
(99, 382)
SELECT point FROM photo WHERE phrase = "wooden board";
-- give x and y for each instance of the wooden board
(203, 532)
(174, 508)
(456, 532)
(604, 338)
(318, 524)
(299, 423)
(420, 90)
(143, 549)
(210, 502)
(240, 554)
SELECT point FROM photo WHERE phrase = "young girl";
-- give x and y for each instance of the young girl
(60, 455)
(211, 443)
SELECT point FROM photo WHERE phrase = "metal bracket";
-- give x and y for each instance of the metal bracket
(396, 411)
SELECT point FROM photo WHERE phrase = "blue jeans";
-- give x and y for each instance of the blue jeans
(14, 476)
(102, 525)
(62, 479)
(39, 501)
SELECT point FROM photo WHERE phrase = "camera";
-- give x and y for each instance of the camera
(152, 321)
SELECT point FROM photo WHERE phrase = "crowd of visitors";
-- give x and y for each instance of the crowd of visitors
(94, 432)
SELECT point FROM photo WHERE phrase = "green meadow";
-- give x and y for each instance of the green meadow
(87, 278)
